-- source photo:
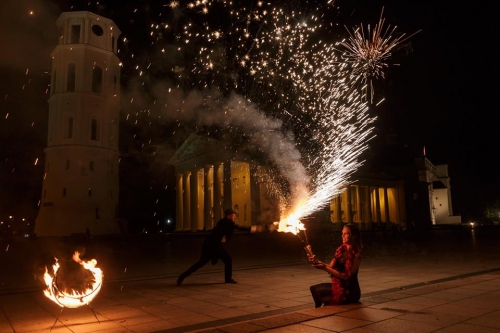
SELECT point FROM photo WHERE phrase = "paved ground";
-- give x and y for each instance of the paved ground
(439, 281)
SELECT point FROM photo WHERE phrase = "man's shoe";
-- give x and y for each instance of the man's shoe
(180, 279)
(231, 281)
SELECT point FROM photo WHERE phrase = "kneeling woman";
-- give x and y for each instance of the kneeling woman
(343, 270)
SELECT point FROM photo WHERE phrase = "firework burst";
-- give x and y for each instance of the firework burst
(283, 65)
(369, 51)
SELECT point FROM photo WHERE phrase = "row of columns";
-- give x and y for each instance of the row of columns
(189, 189)
(366, 207)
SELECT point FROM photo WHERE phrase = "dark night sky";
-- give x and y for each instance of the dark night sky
(441, 95)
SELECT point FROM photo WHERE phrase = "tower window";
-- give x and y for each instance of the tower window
(91, 165)
(90, 192)
(97, 79)
(75, 34)
(70, 86)
(94, 130)
(114, 84)
(67, 164)
(70, 128)
(64, 192)
(97, 30)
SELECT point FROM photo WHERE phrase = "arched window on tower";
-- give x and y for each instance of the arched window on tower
(97, 79)
(114, 84)
(70, 86)
(94, 130)
(70, 128)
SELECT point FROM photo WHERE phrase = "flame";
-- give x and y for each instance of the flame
(291, 224)
(74, 299)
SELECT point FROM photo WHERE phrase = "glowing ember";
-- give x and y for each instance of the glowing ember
(73, 299)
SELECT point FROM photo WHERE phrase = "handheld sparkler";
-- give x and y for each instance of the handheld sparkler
(297, 228)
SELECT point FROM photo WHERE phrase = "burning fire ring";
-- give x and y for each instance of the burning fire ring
(74, 299)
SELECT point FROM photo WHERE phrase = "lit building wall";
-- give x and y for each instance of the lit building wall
(80, 185)
(241, 192)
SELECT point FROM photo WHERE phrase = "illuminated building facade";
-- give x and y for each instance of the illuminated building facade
(402, 193)
(80, 184)
(210, 178)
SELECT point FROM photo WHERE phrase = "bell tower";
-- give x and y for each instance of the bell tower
(80, 183)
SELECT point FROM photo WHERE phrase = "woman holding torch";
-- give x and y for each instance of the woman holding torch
(343, 270)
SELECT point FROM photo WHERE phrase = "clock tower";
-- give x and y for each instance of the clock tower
(80, 183)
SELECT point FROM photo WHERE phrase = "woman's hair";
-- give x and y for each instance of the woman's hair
(355, 236)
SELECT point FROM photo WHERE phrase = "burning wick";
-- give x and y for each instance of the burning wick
(295, 226)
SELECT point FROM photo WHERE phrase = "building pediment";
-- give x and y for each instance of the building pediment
(198, 150)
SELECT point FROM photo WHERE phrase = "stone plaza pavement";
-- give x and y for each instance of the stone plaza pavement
(410, 288)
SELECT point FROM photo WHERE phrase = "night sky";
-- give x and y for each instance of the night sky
(440, 96)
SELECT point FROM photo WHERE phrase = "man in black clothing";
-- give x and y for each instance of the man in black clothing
(213, 249)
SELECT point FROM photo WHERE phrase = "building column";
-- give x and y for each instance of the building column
(369, 203)
(358, 203)
(194, 201)
(217, 191)
(207, 197)
(187, 201)
(349, 204)
(386, 200)
(377, 205)
(228, 186)
(338, 207)
(179, 223)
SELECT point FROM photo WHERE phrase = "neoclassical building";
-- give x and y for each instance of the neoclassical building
(369, 201)
(211, 177)
(413, 194)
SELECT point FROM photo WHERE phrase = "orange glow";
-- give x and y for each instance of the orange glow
(73, 299)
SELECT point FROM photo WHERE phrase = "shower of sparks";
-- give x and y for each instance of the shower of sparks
(285, 65)
(304, 106)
